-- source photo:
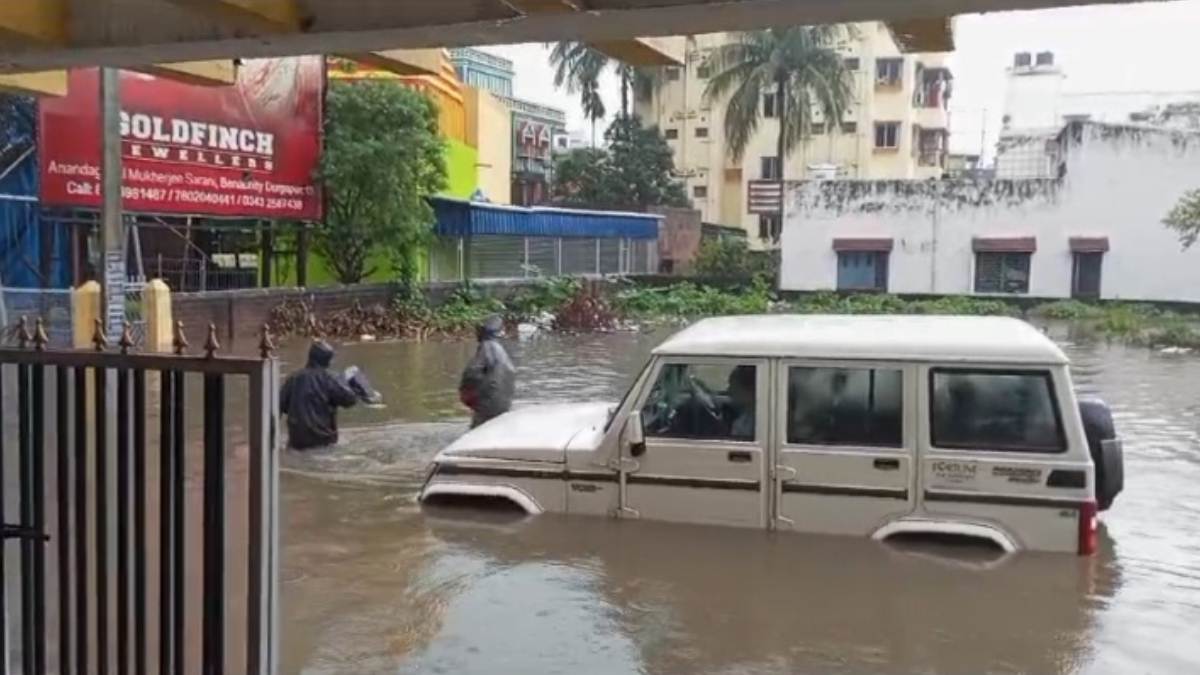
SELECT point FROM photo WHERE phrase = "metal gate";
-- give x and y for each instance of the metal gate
(132, 544)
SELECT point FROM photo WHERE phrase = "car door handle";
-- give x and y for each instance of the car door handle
(887, 464)
(740, 456)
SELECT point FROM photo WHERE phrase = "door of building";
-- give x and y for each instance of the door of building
(1085, 275)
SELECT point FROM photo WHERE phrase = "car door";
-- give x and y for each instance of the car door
(997, 450)
(846, 438)
(700, 467)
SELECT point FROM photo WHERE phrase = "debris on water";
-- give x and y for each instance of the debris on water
(1175, 350)
(366, 338)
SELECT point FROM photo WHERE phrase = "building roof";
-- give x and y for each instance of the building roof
(965, 339)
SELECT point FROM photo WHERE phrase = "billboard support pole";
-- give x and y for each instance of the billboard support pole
(112, 240)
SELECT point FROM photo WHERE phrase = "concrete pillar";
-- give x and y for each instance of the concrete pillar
(85, 309)
(156, 311)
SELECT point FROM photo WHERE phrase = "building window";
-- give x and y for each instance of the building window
(672, 74)
(862, 271)
(889, 72)
(704, 71)
(701, 132)
(671, 134)
(1002, 272)
(769, 168)
(994, 411)
(847, 407)
(770, 226)
(768, 103)
(849, 127)
(1086, 272)
(852, 63)
(887, 135)
(700, 191)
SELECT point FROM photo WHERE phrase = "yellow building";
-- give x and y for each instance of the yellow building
(477, 158)
(898, 129)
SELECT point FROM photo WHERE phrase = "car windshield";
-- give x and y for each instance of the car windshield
(612, 412)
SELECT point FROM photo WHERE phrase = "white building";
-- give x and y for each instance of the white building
(897, 129)
(1095, 230)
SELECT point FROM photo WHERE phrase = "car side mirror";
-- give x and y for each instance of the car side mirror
(635, 435)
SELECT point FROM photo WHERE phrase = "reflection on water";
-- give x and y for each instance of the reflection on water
(373, 586)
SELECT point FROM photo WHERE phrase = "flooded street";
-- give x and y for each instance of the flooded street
(372, 586)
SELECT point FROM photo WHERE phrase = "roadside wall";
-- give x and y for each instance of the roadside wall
(239, 315)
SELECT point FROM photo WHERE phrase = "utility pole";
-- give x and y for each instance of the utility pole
(112, 227)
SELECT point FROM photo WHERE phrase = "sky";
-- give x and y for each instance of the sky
(1116, 57)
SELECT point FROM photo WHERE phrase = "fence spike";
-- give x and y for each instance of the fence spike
(210, 344)
(23, 336)
(265, 345)
(179, 341)
(126, 341)
(99, 339)
(40, 339)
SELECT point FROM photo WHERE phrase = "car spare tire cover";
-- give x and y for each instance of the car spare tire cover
(1110, 464)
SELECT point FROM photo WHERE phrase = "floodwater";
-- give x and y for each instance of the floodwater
(373, 586)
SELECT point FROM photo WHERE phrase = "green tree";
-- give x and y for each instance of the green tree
(382, 156)
(635, 171)
(800, 65)
(1184, 218)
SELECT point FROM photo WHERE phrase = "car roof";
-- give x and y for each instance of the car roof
(981, 339)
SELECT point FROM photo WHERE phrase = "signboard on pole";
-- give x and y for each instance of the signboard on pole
(114, 290)
(248, 149)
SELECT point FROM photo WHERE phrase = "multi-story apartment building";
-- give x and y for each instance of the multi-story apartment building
(477, 68)
(896, 129)
(534, 126)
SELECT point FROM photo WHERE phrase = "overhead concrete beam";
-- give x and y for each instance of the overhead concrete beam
(255, 16)
(45, 83)
(932, 34)
(202, 73)
(401, 61)
(663, 51)
(39, 22)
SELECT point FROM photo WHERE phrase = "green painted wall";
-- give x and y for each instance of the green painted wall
(461, 181)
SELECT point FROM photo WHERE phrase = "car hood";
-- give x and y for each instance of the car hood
(537, 433)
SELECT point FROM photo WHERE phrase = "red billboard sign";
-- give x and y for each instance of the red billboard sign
(249, 149)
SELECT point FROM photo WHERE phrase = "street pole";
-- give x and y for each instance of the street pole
(112, 230)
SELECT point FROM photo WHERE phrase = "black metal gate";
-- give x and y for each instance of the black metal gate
(133, 545)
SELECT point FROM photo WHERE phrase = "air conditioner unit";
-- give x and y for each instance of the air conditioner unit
(850, 114)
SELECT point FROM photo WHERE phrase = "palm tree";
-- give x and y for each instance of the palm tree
(800, 65)
(578, 67)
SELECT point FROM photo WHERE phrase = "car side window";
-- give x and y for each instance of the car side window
(703, 402)
(845, 407)
(990, 410)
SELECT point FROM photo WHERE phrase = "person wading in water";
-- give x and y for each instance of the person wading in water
(489, 379)
(310, 398)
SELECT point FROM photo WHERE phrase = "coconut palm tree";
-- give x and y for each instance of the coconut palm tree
(578, 67)
(800, 65)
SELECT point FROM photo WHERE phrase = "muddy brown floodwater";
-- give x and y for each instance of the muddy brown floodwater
(373, 586)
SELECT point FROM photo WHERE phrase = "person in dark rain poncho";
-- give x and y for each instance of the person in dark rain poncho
(489, 379)
(310, 398)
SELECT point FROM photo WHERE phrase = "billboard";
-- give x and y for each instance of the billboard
(249, 149)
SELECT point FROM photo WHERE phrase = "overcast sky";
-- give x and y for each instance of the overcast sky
(1116, 57)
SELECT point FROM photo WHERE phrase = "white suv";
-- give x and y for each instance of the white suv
(863, 426)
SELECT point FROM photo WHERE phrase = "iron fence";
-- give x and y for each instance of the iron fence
(143, 548)
(192, 275)
(502, 257)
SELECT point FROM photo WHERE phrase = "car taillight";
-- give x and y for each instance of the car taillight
(1087, 528)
